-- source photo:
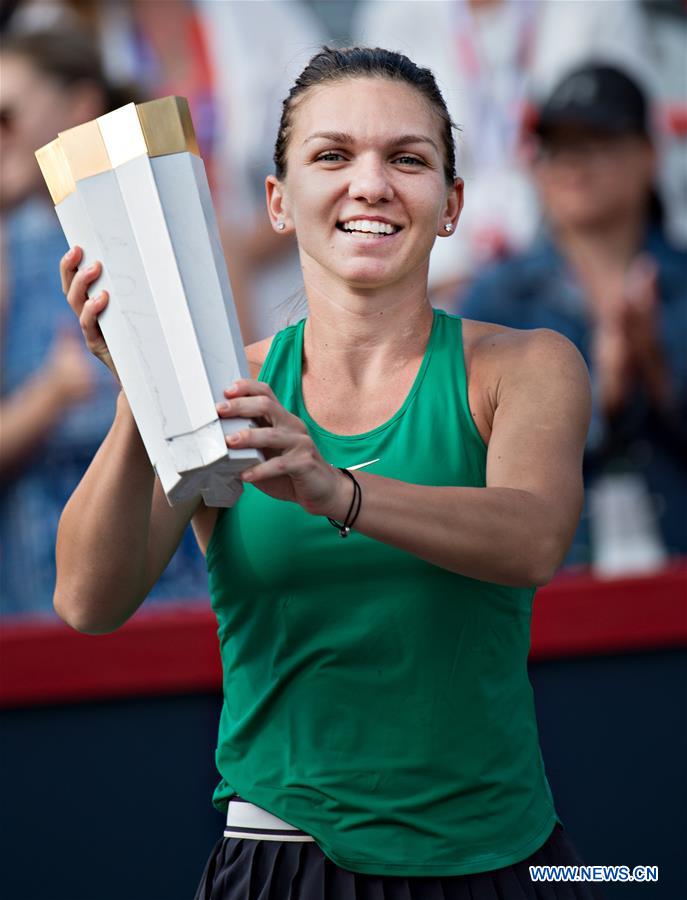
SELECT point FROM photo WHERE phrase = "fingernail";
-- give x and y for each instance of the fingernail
(234, 438)
(232, 388)
(247, 476)
(223, 406)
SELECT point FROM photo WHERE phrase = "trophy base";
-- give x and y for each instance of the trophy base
(217, 483)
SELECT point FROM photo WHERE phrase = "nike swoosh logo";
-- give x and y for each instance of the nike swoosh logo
(362, 465)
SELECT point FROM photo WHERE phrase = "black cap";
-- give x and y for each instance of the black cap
(596, 96)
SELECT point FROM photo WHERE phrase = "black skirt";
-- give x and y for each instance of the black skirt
(244, 869)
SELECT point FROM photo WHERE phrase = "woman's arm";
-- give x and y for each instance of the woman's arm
(117, 532)
(516, 530)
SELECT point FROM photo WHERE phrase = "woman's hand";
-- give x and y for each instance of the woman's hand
(75, 284)
(293, 469)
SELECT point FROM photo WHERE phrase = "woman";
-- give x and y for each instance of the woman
(376, 696)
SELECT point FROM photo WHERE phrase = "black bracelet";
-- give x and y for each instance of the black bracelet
(353, 510)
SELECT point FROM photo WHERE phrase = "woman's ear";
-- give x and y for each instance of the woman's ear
(453, 208)
(277, 205)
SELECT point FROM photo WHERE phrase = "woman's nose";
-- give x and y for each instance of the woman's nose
(370, 182)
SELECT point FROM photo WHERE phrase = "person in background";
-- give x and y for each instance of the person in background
(56, 405)
(604, 274)
(491, 58)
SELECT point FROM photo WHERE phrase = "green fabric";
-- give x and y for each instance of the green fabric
(378, 702)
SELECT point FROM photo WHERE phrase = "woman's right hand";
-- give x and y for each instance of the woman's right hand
(75, 284)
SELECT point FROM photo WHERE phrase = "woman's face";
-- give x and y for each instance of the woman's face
(365, 189)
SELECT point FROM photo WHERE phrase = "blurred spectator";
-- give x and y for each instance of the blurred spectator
(56, 401)
(490, 57)
(604, 275)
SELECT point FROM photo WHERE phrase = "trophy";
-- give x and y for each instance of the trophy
(130, 189)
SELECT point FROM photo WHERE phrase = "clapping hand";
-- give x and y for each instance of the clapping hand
(627, 346)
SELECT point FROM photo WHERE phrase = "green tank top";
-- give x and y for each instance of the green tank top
(378, 702)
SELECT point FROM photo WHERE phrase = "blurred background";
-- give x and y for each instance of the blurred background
(571, 131)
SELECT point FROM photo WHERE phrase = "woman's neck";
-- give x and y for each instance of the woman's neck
(360, 337)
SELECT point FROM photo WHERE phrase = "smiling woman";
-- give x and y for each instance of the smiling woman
(378, 735)
(375, 196)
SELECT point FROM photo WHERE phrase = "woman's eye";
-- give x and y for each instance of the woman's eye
(409, 161)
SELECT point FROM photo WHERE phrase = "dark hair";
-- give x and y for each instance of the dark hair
(69, 56)
(333, 65)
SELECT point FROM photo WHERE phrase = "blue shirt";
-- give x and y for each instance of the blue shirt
(538, 290)
(32, 496)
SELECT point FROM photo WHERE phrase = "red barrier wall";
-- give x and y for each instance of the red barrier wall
(173, 649)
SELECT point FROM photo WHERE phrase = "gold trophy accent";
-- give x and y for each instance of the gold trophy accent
(56, 171)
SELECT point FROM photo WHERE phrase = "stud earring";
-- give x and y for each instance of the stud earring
(281, 226)
(448, 228)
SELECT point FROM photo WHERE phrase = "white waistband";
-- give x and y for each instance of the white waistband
(246, 820)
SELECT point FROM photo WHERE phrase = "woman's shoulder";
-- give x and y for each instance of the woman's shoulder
(514, 363)
(490, 342)
(494, 352)
(256, 354)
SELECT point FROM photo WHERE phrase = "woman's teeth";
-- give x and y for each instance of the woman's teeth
(369, 227)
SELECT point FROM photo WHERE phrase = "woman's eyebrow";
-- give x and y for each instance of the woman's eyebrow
(338, 137)
(344, 139)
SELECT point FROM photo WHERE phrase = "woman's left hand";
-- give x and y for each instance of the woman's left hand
(293, 469)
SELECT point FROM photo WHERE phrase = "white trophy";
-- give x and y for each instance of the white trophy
(130, 189)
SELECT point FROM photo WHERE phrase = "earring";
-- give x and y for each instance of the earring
(281, 226)
(448, 228)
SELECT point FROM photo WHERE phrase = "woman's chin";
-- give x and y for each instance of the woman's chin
(369, 276)
(357, 273)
